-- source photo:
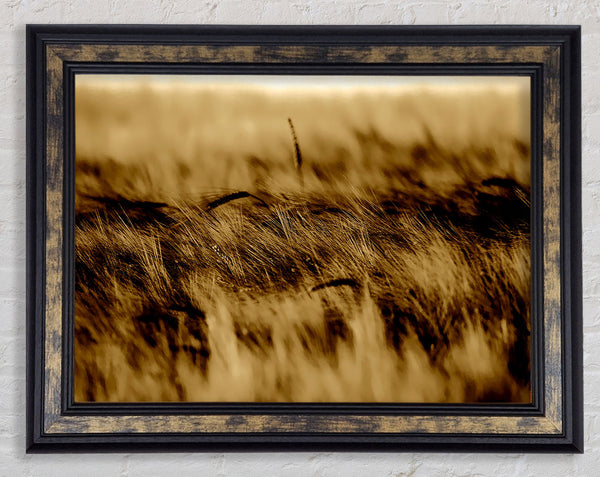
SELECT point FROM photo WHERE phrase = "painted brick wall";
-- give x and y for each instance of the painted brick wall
(14, 14)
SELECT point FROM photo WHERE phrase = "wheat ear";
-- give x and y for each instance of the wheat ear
(298, 154)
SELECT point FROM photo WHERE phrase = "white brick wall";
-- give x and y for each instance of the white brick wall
(14, 14)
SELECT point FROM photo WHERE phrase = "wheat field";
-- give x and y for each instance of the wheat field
(269, 239)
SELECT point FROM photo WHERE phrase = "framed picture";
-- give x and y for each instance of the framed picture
(292, 238)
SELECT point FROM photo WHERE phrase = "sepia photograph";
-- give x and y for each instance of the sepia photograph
(302, 239)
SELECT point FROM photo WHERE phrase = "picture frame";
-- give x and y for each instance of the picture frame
(548, 55)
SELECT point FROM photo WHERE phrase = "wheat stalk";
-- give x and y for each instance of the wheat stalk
(298, 154)
(233, 196)
(338, 282)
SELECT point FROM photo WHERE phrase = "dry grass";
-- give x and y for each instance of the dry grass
(384, 269)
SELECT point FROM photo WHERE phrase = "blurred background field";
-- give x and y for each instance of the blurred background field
(188, 137)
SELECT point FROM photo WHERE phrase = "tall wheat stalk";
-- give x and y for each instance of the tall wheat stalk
(297, 155)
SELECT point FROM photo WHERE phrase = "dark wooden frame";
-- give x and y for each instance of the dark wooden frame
(550, 55)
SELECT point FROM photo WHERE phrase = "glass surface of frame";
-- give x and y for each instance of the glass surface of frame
(302, 238)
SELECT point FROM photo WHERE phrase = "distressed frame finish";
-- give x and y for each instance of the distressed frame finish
(550, 55)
